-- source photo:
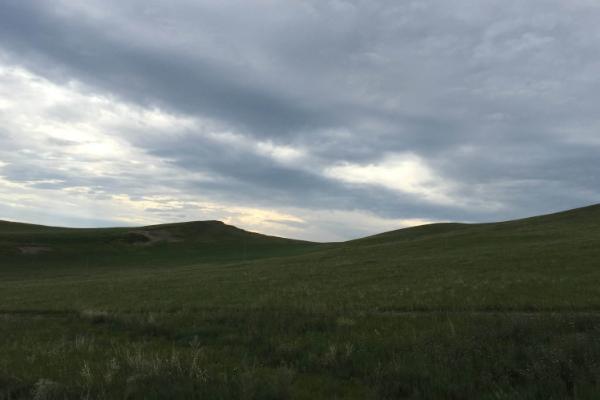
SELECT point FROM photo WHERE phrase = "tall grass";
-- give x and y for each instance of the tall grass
(269, 355)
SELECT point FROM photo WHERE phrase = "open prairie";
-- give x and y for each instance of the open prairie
(299, 200)
(505, 310)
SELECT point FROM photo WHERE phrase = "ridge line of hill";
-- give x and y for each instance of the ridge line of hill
(433, 228)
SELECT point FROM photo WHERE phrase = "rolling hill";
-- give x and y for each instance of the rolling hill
(37, 246)
(494, 310)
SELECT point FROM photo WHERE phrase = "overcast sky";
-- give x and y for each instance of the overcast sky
(323, 120)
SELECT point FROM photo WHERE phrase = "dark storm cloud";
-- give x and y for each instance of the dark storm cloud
(498, 98)
(63, 46)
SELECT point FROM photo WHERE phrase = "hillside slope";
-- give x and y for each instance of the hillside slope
(34, 246)
(547, 262)
(578, 222)
(506, 310)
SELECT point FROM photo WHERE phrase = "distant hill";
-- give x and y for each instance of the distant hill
(212, 241)
(15, 227)
(170, 244)
(575, 221)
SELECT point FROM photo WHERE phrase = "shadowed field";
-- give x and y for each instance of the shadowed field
(206, 310)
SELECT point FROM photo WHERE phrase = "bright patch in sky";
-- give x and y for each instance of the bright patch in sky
(69, 130)
(404, 173)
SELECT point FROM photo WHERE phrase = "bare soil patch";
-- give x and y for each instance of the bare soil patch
(149, 238)
(33, 250)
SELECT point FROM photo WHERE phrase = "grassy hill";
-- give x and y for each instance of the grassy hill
(48, 249)
(206, 310)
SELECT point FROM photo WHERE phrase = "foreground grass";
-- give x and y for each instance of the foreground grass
(449, 311)
(268, 354)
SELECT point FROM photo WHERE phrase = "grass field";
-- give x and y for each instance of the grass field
(204, 310)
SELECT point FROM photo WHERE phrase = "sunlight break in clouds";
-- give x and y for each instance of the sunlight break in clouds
(61, 126)
(401, 172)
(84, 138)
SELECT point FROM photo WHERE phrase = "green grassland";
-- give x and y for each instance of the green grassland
(204, 310)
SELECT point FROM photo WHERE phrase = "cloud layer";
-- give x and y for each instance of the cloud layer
(324, 120)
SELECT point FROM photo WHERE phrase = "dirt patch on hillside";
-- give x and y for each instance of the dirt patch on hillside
(33, 250)
(148, 238)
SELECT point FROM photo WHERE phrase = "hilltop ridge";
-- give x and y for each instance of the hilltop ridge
(164, 244)
(581, 215)
(578, 218)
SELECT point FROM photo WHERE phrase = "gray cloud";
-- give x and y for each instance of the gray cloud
(496, 98)
(65, 46)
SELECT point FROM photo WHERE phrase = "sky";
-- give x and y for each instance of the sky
(313, 119)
